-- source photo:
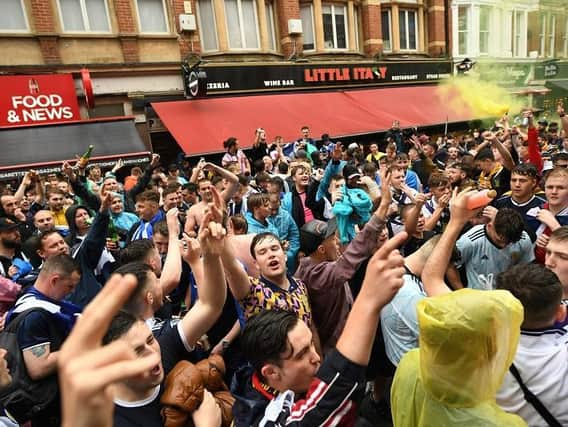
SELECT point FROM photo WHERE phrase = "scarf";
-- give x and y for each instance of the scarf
(144, 230)
(64, 312)
(353, 208)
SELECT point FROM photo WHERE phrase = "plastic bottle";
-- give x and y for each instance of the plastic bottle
(85, 157)
(481, 198)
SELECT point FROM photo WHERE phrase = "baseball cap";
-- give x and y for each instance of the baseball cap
(313, 233)
(6, 224)
(351, 171)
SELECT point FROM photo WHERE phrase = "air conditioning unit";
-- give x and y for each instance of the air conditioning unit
(295, 26)
(187, 22)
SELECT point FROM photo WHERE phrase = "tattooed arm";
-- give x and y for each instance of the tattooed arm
(40, 361)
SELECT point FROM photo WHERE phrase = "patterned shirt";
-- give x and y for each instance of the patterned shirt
(265, 295)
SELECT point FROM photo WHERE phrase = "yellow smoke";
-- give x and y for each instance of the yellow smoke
(483, 99)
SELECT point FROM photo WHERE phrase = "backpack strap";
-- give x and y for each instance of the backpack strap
(14, 325)
(533, 400)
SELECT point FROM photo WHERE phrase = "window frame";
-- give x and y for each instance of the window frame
(518, 25)
(26, 22)
(311, 6)
(542, 35)
(565, 48)
(199, 23)
(388, 11)
(85, 18)
(467, 30)
(356, 27)
(487, 32)
(269, 6)
(333, 26)
(241, 27)
(166, 18)
(552, 36)
(416, 34)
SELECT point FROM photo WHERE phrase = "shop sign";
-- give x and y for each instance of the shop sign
(504, 74)
(242, 78)
(37, 99)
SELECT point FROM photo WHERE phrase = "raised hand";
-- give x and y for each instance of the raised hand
(383, 277)
(172, 221)
(106, 201)
(155, 161)
(190, 249)
(336, 154)
(458, 206)
(87, 370)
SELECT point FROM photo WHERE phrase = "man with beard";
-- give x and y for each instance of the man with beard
(9, 246)
(458, 173)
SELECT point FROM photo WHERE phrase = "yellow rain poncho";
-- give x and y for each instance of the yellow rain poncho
(468, 340)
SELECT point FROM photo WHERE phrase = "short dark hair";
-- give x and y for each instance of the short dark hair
(509, 224)
(279, 182)
(140, 270)
(265, 337)
(261, 177)
(537, 288)
(239, 223)
(229, 142)
(148, 195)
(438, 179)
(256, 200)
(136, 250)
(283, 167)
(525, 169)
(259, 238)
(559, 156)
(170, 189)
(191, 187)
(161, 227)
(485, 154)
(62, 263)
(120, 324)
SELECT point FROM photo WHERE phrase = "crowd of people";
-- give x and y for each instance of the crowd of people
(413, 281)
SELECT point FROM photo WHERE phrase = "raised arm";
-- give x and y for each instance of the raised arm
(508, 162)
(435, 269)
(233, 180)
(213, 290)
(383, 279)
(26, 182)
(171, 271)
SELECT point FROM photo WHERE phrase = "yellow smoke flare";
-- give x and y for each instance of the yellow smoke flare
(483, 99)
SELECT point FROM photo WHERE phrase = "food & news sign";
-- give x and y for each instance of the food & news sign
(243, 78)
(37, 99)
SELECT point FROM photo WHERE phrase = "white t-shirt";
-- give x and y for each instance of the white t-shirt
(542, 362)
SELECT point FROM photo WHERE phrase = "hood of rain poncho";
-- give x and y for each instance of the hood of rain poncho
(354, 201)
(468, 340)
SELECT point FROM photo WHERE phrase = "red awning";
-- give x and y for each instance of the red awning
(200, 126)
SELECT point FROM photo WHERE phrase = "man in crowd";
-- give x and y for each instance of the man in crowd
(486, 250)
(42, 332)
(522, 198)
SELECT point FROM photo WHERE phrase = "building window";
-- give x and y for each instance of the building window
(484, 25)
(152, 16)
(386, 26)
(408, 29)
(242, 24)
(552, 36)
(357, 25)
(15, 20)
(84, 16)
(566, 38)
(307, 16)
(334, 26)
(542, 36)
(207, 25)
(270, 26)
(518, 25)
(463, 30)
